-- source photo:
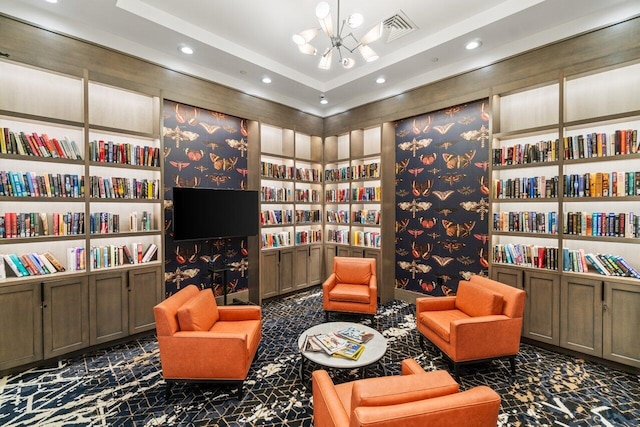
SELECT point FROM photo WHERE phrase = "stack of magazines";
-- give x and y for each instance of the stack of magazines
(347, 343)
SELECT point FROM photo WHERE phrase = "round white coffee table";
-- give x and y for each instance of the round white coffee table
(374, 349)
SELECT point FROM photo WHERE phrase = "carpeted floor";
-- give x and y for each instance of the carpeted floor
(122, 386)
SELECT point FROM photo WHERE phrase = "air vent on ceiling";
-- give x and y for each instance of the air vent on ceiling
(398, 25)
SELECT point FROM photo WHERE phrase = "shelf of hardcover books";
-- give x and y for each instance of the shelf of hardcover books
(338, 212)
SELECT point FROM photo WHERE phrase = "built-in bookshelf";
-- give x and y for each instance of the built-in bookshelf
(291, 210)
(564, 204)
(80, 197)
(352, 195)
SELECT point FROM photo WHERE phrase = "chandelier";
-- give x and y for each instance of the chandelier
(339, 40)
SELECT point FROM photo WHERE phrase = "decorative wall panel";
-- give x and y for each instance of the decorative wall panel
(442, 190)
(203, 149)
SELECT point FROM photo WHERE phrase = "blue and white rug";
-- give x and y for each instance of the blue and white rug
(123, 386)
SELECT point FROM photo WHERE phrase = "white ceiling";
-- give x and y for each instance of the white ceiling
(237, 42)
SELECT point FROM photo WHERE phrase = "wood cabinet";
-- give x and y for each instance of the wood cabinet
(108, 307)
(542, 308)
(145, 291)
(621, 317)
(21, 320)
(276, 272)
(581, 314)
(510, 276)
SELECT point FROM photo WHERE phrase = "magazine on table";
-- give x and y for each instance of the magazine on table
(352, 333)
(330, 343)
(351, 351)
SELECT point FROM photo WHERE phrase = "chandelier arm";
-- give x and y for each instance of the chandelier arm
(358, 43)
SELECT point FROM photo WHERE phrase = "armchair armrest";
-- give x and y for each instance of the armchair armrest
(435, 304)
(327, 407)
(470, 336)
(240, 312)
(326, 288)
(411, 367)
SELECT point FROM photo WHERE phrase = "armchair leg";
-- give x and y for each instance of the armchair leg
(422, 346)
(239, 393)
(167, 390)
(512, 362)
(326, 316)
(456, 371)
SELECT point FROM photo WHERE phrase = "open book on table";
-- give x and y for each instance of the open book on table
(352, 333)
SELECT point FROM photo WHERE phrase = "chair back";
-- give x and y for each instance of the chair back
(165, 313)
(513, 298)
(355, 271)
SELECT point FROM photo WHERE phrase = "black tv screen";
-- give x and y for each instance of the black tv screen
(209, 213)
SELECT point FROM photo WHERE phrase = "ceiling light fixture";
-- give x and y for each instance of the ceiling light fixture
(380, 80)
(473, 44)
(51, 1)
(323, 100)
(266, 80)
(339, 39)
(185, 49)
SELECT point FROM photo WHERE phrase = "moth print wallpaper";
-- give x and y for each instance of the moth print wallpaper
(442, 193)
(202, 149)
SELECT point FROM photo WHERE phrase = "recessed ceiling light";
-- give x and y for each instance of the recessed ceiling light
(323, 100)
(186, 50)
(473, 44)
(266, 80)
(380, 80)
(51, 1)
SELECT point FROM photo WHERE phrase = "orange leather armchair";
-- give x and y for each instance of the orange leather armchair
(352, 287)
(414, 399)
(201, 342)
(483, 321)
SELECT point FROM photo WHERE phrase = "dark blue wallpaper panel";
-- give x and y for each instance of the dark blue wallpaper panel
(203, 149)
(442, 191)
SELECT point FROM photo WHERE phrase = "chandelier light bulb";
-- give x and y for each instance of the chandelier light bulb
(322, 10)
(368, 54)
(355, 20)
(308, 49)
(373, 34)
(348, 63)
(325, 61)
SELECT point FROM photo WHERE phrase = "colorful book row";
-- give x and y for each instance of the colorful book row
(37, 145)
(525, 188)
(30, 264)
(606, 264)
(124, 188)
(308, 236)
(366, 194)
(306, 195)
(518, 154)
(28, 184)
(602, 184)
(276, 240)
(620, 142)
(107, 256)
(526, 255)
(271, 194)
(345, 173)
(526, 222)
(33, 224)
(125, 153)
(602, 224)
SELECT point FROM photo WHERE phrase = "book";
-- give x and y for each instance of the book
(354, 334)
(351, 350)
(149, 253)
(330, 343)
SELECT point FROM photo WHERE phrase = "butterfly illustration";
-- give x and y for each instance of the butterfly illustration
(218, 179)
(414, 268)
(180, 275)
(442, 129)
(442, 195)
(433, 171)
(402, 283)
(179, 165)
(179, 135)
(484, 238)
(243, 128)
(220, 163)
(179, 117)
(484, 189)
(415, 233)
(182, 182)
(423, 189)
(481, 207)
(458, 161)
(458, 230)
(466, 275)
(402, 133)
(433, 235)
(452, 178)
(484, 262)
(212, 145)
(415, 145)
(201, 168)
(481, 135)
(166, 152)
(401, 225)
(402, 251)
(467, 120)
(242, 171)
(428, 223)
(482, 165)
(427, 127)
(427, 286)
(465, 260)
(415, 171)
(421, 251)
(446, 211)
(217, 115)
(229, 129)
(442, 261)
(465, 191)
(414, 206)
(452, 246)
(428, 159)
(447, 291)
(167, 224)
(444, 278)
(183, 255)
(453, 110)
(415, 129)
(194, 155)
(210, 259)
(446, 144)
(238, 145)
(402, 193)
(484, 115)
(401, 166)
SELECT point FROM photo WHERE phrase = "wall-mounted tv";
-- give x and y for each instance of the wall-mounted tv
(209, 213)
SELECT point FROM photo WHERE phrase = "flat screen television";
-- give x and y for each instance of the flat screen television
(209, 213)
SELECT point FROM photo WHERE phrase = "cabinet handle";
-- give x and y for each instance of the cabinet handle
(605, 307)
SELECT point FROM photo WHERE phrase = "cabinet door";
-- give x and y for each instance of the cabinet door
(145, 291)
(508, 276)
(356, 252)
(621, 320)
(315, 265)
(329, 255)
(301, 268)
(542, 308)
(65, 314)
(581, 315)
(286, 271)
(343, 251)
(21, 320)
(108, 307)
(269, 274)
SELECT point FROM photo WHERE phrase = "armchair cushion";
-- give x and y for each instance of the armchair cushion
(350, 293)
(393, 390)
(477, 301)
(200, 313)
(440, 321)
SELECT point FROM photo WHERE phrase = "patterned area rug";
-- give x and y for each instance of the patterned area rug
(122, 386)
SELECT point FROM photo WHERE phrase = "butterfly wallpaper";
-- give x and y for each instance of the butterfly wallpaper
(442, 198)
(202, 149)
